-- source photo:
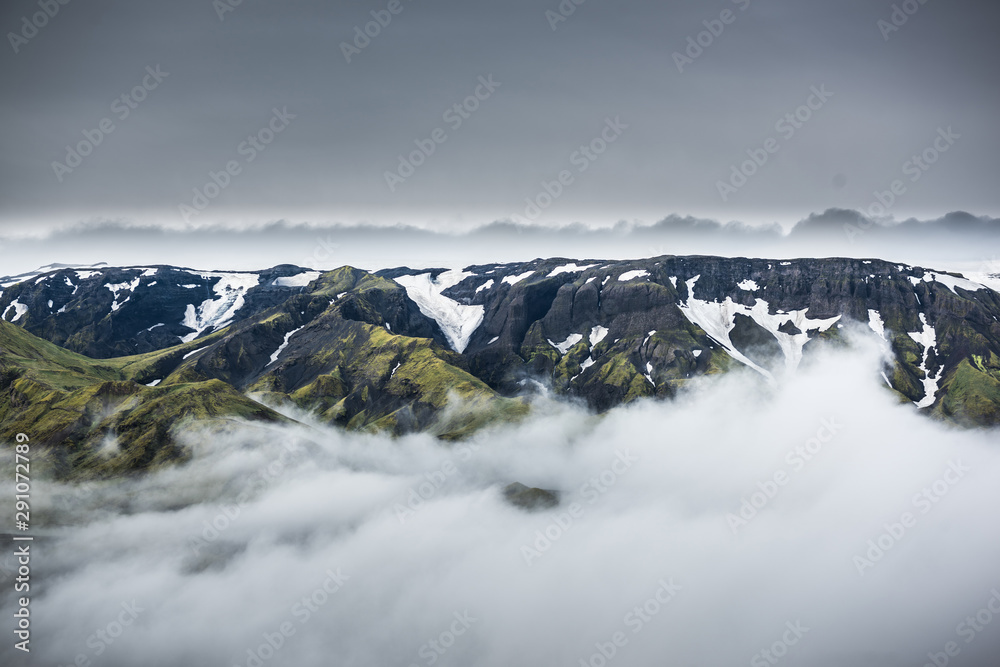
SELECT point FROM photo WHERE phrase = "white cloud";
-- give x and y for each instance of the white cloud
(332, 505)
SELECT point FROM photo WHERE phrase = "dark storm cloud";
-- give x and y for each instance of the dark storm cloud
(685, 133)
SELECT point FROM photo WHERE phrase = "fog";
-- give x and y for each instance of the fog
(650, 517)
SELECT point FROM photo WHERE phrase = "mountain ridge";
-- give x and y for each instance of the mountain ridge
(397, 349)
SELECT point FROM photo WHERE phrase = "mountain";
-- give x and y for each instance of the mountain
(120, 355)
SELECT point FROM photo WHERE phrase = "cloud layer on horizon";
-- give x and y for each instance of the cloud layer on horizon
(956, 239)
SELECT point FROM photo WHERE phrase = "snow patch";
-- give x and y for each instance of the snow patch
(457, 321)
(951, 282)
(493, 340)
(298, 280)
(19, 310)
(597, 334)
(564, 346)
(154, 383)
(696, 353)
(487, 285)
(632, 275)
(220, 311)
(587, 363)
(570, 268)
(673, 280)
(115, 288)
(513, 280)
(748, 286)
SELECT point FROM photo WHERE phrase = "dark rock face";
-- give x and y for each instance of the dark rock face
(110, 312)
(652, 346)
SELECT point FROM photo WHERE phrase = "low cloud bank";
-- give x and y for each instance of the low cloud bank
(821, 523)
(956, 237)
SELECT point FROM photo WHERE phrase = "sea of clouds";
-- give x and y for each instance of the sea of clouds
(820, 523)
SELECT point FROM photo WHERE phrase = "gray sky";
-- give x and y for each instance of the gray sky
(557, 88)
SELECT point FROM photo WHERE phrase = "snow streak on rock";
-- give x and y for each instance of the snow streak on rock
(876, 324)
(719, 319)
(284, 344)
(457, 321)
(927, 338)
(219, 312)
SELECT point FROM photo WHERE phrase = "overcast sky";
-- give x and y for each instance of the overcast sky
(886, 95)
